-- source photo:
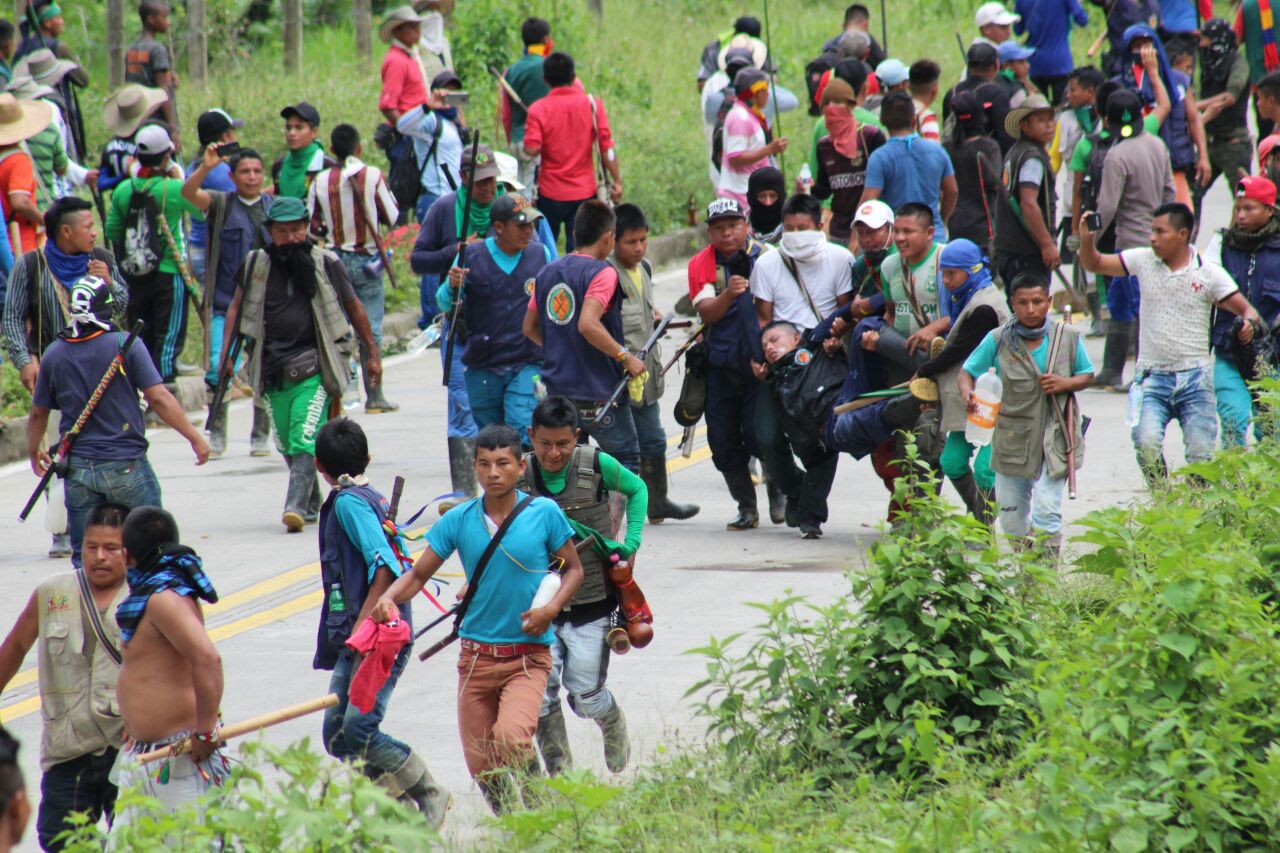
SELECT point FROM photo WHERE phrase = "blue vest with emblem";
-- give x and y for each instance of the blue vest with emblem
(495, 304)
(734, 340)
(342, 563)
(1258, 276)
(570, 366)
(235, 243)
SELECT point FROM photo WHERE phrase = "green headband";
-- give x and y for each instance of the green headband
(49, 12)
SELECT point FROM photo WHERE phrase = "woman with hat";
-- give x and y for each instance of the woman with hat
(19, 121)
(124, 113)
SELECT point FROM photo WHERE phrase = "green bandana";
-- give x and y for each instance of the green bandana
(479, 214)
(49, 12)
(293, 171)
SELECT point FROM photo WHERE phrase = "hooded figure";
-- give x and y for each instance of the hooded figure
(1218, 56)
(766, 219)
(965, 254)
(1174, 131)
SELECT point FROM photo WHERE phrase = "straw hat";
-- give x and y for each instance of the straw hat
(21, 120)
(1032, 104)
(396, 18)
(759, 51)
(26, 89)
(126, 110)
(43, 67)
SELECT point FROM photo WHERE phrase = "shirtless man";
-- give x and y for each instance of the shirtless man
(170, 683)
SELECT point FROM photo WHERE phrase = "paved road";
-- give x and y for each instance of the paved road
(698, 577)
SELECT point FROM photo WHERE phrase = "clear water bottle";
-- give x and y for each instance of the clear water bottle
(982, 423)
(805, 180)
(539, 387)
(547, 589)
(1134, 413)
(378, 264)
(428, 337)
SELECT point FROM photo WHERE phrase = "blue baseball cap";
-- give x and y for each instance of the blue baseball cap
(1011, 51)
(892, 72)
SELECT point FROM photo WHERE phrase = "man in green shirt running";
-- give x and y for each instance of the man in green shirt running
(586, 482)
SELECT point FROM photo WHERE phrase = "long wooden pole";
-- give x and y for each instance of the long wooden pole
(197, 44)
(249, 726)
(293, 36)
(362, 14)
(115, 43)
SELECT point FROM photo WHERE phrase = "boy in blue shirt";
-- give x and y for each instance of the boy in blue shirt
(1042, 365)
(506, 644)
(358, 563)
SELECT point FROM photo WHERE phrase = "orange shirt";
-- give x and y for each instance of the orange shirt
(17, 175)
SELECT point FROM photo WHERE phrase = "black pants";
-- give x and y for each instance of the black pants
(811, 486)
(160, 301)
(731, 402)
(78, 785)
(1009, 265)
(1053, 88)
(560, 213)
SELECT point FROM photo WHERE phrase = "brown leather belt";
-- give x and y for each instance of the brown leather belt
(504, 650)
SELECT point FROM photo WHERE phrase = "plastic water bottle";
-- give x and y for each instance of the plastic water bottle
(982, 423)
(375, 266)
(539, 387)
(805, 179)
(337, 601)
(547, 589)
(428, 337)
(1134, 413)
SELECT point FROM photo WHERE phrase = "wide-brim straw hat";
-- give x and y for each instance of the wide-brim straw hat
(21, 120)
(1032, 104)
(26, 89)
(44, 67)
(396, 18)
(126, 110)
(759, 50)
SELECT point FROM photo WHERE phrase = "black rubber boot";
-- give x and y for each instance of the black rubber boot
(374, 401)
(462, 472)
(617, 744)
(901, 412)
(1114, 355)
(661, 507)
(260, 436)
(500, 790)
(218, 435)
(777, 502)
(742, 490)
(302, 484)
(413, 784)
(553, 742)
(1097, 328)
(976, 500)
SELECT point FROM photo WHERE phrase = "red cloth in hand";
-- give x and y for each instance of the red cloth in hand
(381, 641)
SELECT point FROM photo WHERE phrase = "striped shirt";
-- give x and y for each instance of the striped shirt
(49, 319)
(342, 201)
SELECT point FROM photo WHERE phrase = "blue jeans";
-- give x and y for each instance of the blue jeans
(90, 483)
(368, 288)
(649, 431)
(1027, 504)
(579, 664)
(78, 785)
(349, 734)
(616, 433)
(428, 282)
(1186, 395)
(196, 258)
(1235, 403)
(461, 423)
(503, 397)
(1123, 298)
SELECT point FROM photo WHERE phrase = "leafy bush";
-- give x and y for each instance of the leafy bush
(921, 655)
(311, 803)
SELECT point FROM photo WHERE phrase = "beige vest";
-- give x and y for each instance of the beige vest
(336, 341)
(77, 677)
(953, 411)
(638, 325)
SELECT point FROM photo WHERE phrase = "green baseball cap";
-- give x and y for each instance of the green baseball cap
(287, 209)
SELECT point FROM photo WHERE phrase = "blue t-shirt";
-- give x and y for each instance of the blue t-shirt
(71, 370)
(1178, 16)
(512, 576)
(360, 523)
(908, 168)
(219, 178)
(983, 358)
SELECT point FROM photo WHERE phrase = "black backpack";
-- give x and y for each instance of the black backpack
(140, 251)
(717, 134)
(405, 177)
(1091, 186)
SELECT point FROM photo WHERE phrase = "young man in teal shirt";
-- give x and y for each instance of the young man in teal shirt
(506, 644)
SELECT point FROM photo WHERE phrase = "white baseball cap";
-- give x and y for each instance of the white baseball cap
(874, 214)
(994, 13)
(153, 139)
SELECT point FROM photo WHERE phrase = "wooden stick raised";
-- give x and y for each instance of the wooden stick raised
(250, 725)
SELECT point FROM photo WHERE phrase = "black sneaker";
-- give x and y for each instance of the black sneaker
(810, 530)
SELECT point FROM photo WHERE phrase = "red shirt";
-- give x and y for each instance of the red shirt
(402, 84)
(18, 176)
(560, 125)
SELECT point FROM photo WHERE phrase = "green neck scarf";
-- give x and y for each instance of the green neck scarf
(293, 171)
(479, 214)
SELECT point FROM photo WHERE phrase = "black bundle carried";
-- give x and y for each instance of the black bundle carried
(1258, 358)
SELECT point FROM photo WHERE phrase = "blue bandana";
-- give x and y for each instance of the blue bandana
(964, 255)
(169, 567)
(67, 269)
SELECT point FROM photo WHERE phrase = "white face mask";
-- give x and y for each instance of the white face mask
(803, 245)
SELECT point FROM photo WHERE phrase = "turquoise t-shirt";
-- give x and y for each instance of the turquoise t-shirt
(984, 357)
(512, 576)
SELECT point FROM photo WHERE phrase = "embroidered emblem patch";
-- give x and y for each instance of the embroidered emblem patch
(58, 603)
(803, 357)
(528, 287)
(561, 304)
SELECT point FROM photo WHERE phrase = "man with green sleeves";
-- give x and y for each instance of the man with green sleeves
(296, 308)
(306, 157)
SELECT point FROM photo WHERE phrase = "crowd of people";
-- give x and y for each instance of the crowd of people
(921, 249)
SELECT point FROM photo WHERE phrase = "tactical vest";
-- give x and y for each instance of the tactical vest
(584, 500)
(572, 367)
(806, 383)
(342, 563)
(953, 411)
(1012, 233)
(638, 325)
(229, 244)
(494, 306)
(1027, 437)
(336, 341)
(1257, 274)
(77, 692)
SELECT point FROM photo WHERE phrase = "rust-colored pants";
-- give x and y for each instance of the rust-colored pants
(498, 704)
(888, 471)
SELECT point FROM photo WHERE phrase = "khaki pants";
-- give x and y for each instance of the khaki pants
(498, 704)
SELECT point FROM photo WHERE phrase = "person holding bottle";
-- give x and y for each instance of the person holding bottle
(1042, 365)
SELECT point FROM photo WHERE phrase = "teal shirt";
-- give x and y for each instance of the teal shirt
(984, 358)
(358, 520)
(512, 576)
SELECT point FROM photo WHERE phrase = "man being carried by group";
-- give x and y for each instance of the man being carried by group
(69, 619)
(296, 307)
(587, 484)
(236, 227)
(359, 561)
(293, 172)
(506, 644)
(148, 63)
(575, 315)
(108, 463)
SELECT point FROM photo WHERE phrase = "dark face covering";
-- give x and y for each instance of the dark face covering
(765, 219)
(295, 260)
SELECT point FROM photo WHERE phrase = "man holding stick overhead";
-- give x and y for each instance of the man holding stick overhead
(505, 540)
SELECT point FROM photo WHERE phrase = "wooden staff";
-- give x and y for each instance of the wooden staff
(249, 726)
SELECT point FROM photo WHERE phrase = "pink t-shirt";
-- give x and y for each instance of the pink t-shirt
(742, 132)
(402, 85)
(602, 288)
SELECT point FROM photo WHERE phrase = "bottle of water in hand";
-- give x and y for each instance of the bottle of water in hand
(981, 424)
